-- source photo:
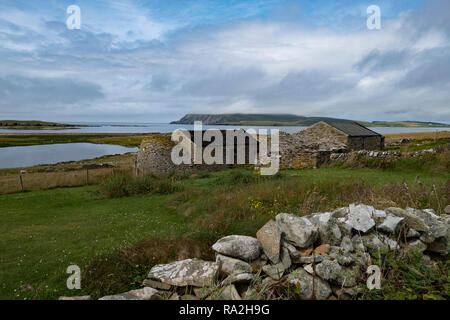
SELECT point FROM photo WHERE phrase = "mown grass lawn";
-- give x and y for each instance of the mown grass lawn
(43, 232)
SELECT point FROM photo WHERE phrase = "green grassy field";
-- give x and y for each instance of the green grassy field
(14, 140)
(116, 240)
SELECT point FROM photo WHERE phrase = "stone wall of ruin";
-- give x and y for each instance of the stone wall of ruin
(154, 156)
(310, 148)
(366, 143)
(322, 136)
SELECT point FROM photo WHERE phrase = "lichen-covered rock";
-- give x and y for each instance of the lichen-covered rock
(338, 254)
(290, 248)
(238, 278)
(241, 247)
(346, 229)
(189, 297)
(391, 224)
(146, 293)
(309, 286)
(328, 269)
(360, 217)
(328, 228)
(121, 296)
(358, 244)
(412, 233)
(378, 215)
(437, 228)
(340, 213)
(232, 266)
(230, 293)
(361, 258)
(269, 237)
(347, 244)
(412, 220)
(276, 271)
(374, 242)
(417, 245)
(75, 298)
(156, 284)
(298, 230)
(189, 272)
(258, 264)
(447, 210)
(345, 293)
(309, 268)
(308, 259)
(441, 245)
(331, 270)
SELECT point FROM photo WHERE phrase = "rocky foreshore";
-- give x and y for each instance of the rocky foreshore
(320, 256)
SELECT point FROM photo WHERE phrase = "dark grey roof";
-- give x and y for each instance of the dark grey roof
(351, 128)
(239, 133)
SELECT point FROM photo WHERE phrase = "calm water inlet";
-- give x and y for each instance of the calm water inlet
(15, 157)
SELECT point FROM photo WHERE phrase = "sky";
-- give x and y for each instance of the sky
(154, 61)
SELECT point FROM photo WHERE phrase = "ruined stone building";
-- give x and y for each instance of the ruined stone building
(340, 135)
(309, 148)
(155, 152)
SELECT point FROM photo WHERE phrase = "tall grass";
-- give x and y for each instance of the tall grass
(242, 207)
(126, 185)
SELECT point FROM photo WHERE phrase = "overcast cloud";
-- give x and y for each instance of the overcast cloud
(154, 61)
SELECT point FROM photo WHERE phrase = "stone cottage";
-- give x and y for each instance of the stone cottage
(309, 148)
(340, 136)
(155, 152)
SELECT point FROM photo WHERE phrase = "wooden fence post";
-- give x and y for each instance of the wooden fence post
(136, 168)
(87, 176)
(21, 182)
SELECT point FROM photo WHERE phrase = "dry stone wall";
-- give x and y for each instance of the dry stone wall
(321, 256)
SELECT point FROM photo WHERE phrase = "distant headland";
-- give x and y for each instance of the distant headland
(289, 120)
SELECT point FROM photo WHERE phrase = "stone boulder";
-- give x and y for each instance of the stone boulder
(230, 293)
(412, 220)
(360, 217)
(238, 278)
(447, 209)
(331, 270)
(269, 237)
(232, 266)
(121, 296)
(276, 271)
(146, 293)
(297, 230)
(189, 272)
(328, 228)
(390, 224)
(75, 298)
(310, 287)
(240, 247)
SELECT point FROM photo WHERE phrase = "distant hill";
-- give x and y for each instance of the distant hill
(34, 124)
(287, 120)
